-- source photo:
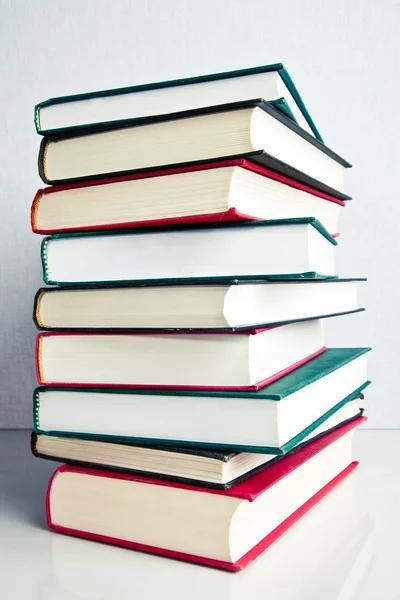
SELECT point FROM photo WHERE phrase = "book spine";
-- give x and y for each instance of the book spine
(38, 358)
(33, 443)
(34, 209)
(35, 410)
(36, 118)
(43, 257)
(42, 160)
(36, 309)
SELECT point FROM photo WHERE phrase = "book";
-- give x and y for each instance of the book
(210, 468)
(220, 307)
(214, 133)
(320, 570)
(226, 529)
(204, 192)
(93, 109)
(231, 360)
(264, 421)
(251, 249)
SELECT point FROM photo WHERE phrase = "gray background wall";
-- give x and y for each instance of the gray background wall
(344, 57)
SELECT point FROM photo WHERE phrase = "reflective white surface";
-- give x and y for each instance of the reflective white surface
(346, 548)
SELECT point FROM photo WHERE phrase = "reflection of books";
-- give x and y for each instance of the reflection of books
(356, 576)
(324, 556)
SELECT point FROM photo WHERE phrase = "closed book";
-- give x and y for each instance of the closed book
(226, 529)
(222, 360)
(233, 306)
(271, 420)
(215, 133)
(93, 109)
(203, 192)
(197, 466)
(320, 570)
(293, 248)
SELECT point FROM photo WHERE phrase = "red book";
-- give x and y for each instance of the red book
(228, 190)
(240, 360)
(226, 529)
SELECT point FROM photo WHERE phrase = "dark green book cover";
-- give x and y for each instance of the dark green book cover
(321, 366)
(200, 280)
(279, 103)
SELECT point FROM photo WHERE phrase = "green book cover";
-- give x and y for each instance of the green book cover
(202, 445)
(321, 366)
(147, 230)
(279, 103)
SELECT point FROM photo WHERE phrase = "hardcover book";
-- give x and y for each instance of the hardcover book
(210, 468)
(215, 133)
(93, 109)
(226, 529)
(293, 248)
(271, 420)
(331, 571)
(231, 360)
(203, 192)
(233, 306)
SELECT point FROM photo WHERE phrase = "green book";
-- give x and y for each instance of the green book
(112, 107)
(272, 420)
(248, 250)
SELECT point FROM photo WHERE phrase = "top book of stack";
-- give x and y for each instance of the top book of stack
(97, 109)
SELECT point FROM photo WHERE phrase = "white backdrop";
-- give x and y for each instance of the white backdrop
(343, 56)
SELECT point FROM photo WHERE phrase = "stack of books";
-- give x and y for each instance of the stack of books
(184, 378)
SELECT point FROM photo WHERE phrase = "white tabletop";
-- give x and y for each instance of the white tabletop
(347, 547)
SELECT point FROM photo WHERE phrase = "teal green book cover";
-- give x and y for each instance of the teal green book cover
(321, 366)
(185, 280)
(279, 103)
(279, 451)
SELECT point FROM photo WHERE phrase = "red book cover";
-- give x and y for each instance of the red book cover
(230, 215)
(254, 387)
(248, 490)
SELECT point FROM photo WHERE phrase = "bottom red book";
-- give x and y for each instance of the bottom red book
(226, 529)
